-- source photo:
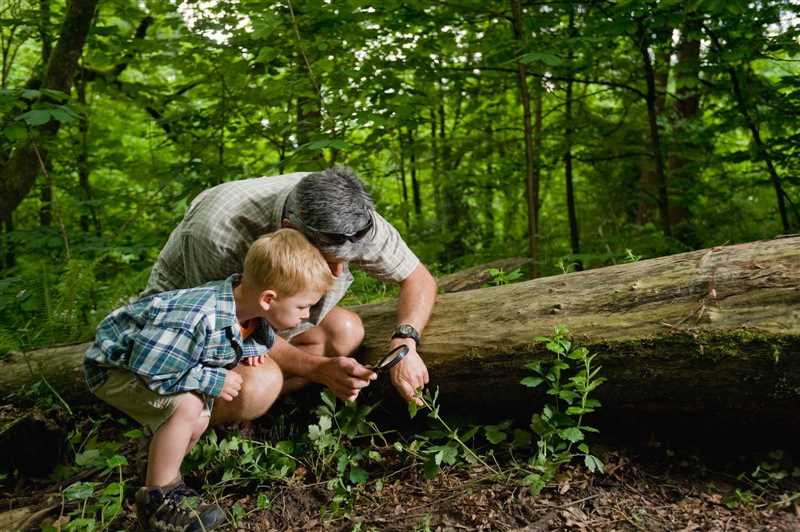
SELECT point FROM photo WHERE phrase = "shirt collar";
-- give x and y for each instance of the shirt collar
(226, 314)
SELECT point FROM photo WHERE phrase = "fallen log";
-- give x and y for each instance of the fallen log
(706, 335)
(478, 276)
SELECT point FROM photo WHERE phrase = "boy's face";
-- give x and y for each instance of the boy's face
(288, 312)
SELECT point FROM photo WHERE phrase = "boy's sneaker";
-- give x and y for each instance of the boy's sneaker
(176, 508)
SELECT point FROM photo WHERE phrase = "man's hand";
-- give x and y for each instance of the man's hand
(254, 361)
(232, 385)
(344, 376)
(411, 373)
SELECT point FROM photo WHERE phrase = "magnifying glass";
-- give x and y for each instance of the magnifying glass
(391, 359)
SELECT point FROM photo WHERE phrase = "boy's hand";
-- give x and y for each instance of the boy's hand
(345, 377)
(254, 361)
(233, 383)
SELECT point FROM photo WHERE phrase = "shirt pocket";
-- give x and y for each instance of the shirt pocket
(219, 351)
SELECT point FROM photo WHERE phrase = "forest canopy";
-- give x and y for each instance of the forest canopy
(581, 134)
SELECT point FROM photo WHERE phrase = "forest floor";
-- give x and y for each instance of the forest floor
(644, 488)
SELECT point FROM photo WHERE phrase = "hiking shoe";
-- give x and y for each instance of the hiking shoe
(176, 508)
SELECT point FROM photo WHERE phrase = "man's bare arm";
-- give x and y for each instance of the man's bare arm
(414, 307)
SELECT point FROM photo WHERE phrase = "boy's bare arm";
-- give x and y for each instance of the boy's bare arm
(343, 375)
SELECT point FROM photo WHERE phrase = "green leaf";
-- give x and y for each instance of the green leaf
(16, 131)
(555, 347)
(543, 57)
(358, 475)
(522, 438)
(90, 457)
(116, 461)
(79, 491)
(262, 502)
(430, 469)
(494, 434)
(573, 434)
(64, 115)
(412, 408)
(36, 117)
(531, 382)
(535, 366)
(593, 463)
(329, 399)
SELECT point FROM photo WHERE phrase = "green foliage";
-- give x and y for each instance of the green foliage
(570, 379)
(498, 277)
(46, 304)
(235, 461)
(443, 444)
(335, 450)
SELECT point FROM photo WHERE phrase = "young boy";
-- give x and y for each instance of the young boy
(165, 358)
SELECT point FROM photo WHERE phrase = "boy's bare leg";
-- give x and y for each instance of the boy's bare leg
(338, 335)
(174, 439)
(261, 385)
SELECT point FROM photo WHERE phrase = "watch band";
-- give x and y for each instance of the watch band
(405, 330)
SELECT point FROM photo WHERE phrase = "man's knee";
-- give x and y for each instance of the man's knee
(261, 385)
(344, 331)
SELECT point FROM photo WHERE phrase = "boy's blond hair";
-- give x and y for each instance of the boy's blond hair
(286, 262)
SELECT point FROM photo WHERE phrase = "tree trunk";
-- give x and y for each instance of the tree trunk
(531, 183)
(415, 193)
(18, 173)
(687, 106)
(437, 200)
(710, 335)
(9, 256)
(652, 119)
(574, 236)
(404, 187)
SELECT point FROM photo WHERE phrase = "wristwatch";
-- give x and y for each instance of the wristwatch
(405, 330)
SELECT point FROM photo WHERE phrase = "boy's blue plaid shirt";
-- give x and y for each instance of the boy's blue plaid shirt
(177, 341)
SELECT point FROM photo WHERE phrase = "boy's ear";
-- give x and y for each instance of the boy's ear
(266, 298)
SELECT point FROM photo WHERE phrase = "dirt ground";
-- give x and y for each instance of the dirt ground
(645, 488)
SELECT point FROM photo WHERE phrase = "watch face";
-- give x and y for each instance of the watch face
(407, 330)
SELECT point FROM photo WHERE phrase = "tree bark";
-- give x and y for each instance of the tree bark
(574, 236)
(655, 136)
(531, 181)
(19, 171)
(687, 107)
(709, 335)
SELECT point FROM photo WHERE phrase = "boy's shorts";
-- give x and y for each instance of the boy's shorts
(126, 391)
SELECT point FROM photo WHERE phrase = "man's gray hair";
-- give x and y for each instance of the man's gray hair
(332, 201)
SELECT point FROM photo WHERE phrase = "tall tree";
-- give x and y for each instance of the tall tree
(531, 181)
(20, 165)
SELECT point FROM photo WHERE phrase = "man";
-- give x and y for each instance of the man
(335, 213)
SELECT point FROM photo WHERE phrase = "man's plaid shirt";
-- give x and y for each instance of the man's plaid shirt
(176, 341)
(213, 238)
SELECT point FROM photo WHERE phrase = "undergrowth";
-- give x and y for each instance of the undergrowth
(343, 451)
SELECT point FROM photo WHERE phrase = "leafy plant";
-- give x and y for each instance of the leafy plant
(445, 445)
(498, 277)
(570, 378)
(334, 453)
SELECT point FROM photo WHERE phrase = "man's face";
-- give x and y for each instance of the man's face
(288, 312)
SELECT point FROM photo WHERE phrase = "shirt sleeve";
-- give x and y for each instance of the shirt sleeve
(168, 359)
(386, 256)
